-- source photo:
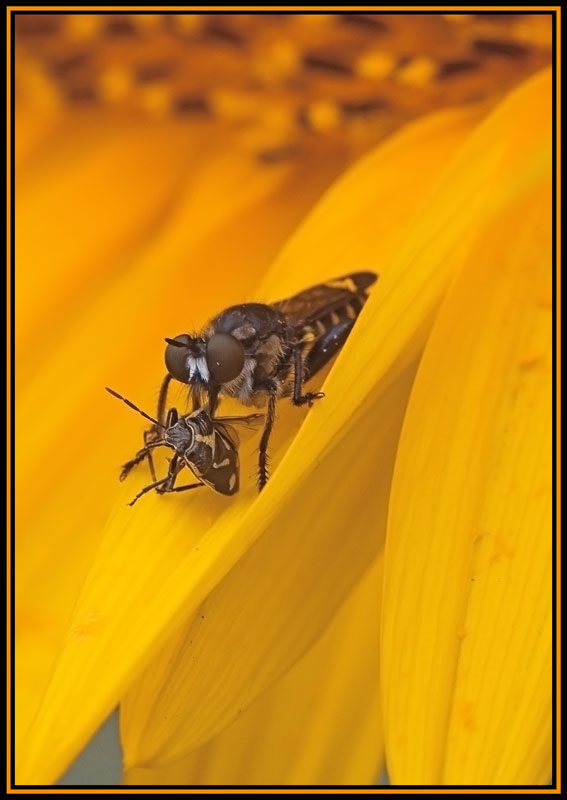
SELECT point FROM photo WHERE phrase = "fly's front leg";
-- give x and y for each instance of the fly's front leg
(298, 398)
(272, 390)
(152, 434)
(213, 400)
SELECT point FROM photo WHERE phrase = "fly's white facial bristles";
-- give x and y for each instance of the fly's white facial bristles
(198, 366)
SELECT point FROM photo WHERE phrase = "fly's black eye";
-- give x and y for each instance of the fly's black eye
(176, 358)
(225, 357)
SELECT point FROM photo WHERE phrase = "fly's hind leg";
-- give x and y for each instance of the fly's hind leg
(272, 390)
(299, 399)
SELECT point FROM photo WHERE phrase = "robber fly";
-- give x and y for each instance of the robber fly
(258, 353)
(208, 447)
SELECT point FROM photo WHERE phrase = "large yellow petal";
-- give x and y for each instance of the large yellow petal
(153, 570)
(99, 346)
(33, 602)
(162, 730)
(159, 727)
(467, 618)
(84, 204)
(320, 724)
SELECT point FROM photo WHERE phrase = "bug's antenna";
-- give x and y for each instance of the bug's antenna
(139, 410)
(175, 343)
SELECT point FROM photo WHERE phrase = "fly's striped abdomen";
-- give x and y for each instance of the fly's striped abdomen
(327, 330)
(349, 310)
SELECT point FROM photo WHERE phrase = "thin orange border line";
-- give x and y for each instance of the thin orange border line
(558, 398)
(534, 9)
(9, 685)
(267, 790)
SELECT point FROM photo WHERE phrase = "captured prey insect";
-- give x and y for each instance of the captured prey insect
(260, 352)
(208, 447)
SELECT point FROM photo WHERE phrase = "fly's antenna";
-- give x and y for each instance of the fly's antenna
(139, 410)
(191, 341)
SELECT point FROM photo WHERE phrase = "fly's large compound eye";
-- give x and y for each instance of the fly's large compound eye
(225, 357)
(176, 358)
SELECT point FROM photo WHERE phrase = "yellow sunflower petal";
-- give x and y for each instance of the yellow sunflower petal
(212, 695)
(140, 553)
(153, 569)
(320, 724)
(219, 662)
(157, 727)
(467, 620)
(68, 498)
(83, 204)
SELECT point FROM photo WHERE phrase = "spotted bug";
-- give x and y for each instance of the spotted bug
(208, 447)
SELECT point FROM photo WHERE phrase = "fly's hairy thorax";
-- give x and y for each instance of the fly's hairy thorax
(267, 339)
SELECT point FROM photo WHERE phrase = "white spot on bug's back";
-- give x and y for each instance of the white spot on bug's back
(232, 481)
(224, 463)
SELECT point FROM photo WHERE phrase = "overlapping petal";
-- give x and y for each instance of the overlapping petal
(467, 620)
(314, 512)
(155, 568)
(151, 557)
(86, 435)
(320, 724)
(199, 693)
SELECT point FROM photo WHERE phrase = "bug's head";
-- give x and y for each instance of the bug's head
(180, 436)
(217, 361)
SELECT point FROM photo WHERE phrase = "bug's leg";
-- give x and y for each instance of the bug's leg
(148, 441)
(164, 484)
(189, 486)
(298, 398)
(173, 471)
(151, 434)
(129, 465)
(148, 488)
(138, 458)
(263, 456)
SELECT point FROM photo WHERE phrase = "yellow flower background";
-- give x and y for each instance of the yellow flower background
(386, 600)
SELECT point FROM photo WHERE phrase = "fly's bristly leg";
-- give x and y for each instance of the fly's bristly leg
(196, 399)
(263, 449)
(162, 399)
(299, 399)
(213, 401)
(151, 435)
